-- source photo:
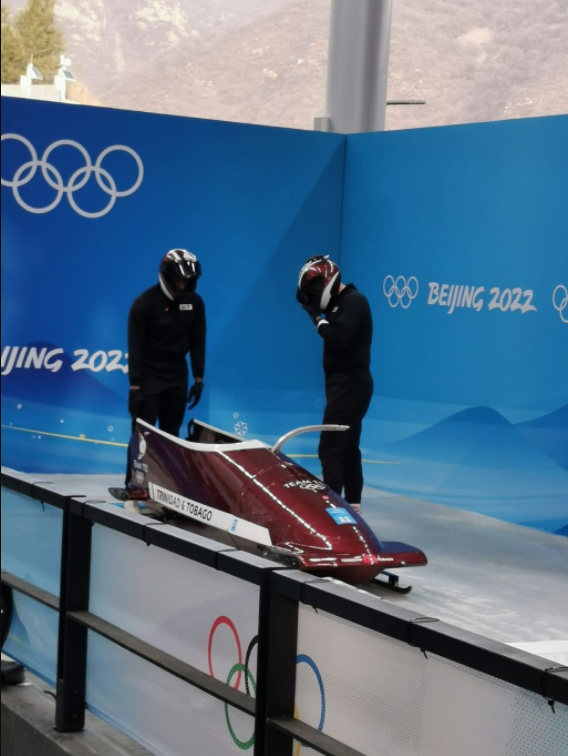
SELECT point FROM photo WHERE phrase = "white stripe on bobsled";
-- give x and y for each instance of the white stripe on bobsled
(209, 516)
(210, 448)
(238, 439)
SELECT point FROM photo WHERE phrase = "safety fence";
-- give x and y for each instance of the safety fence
(193, 647)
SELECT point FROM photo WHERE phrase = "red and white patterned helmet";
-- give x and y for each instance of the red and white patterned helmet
(320, 280)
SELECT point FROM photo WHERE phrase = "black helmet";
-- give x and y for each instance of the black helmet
(179, 273)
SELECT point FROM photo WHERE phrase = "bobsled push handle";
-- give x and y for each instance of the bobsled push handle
(277, 448)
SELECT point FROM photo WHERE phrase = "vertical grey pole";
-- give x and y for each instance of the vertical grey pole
(358, 65)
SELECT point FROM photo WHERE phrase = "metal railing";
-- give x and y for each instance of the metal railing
(282, 592)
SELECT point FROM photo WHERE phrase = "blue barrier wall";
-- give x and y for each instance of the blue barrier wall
(253, 203)
(31, 550)
(458, 236)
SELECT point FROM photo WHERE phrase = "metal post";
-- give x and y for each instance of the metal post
(277, 652)
(358, 65)
(75, 590)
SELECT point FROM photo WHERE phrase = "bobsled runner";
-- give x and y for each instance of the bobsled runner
(249, 494)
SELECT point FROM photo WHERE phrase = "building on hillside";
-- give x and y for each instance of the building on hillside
(31, 85)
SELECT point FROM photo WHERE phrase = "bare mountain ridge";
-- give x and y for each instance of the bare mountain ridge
(272, 72)
(264, 61)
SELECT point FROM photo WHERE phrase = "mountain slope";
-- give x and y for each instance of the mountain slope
(549, 434)
(264, 61)
(477, 460)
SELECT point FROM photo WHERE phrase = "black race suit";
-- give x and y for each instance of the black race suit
(161, 334)
(348, 333)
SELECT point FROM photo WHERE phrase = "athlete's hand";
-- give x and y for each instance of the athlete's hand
(313, 310)
(195, 394)
(134, 402)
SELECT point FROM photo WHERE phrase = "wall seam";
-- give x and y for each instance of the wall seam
(343, 196)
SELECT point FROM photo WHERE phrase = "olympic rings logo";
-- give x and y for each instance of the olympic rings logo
(241, 671)
(304, 659)
(78, 180)
(560, 302)
(401, 292)
(238, 670)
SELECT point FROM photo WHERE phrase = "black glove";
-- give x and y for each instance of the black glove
(313, 310)
(134, 403)
(195, 394)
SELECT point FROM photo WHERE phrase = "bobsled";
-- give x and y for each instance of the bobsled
(252, 495)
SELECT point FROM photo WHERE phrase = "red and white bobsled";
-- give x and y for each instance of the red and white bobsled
(227, 488)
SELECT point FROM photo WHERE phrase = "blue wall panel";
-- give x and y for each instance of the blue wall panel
(32, 534)
(471, 404)
(33, 637)
(253, 203)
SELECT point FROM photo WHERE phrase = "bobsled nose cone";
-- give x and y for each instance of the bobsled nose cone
(395, 554)
(353, 570)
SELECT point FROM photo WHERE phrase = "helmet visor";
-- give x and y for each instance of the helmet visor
(184, 275)
(313, 290)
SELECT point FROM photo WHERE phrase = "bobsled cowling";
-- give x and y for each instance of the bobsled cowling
(246, 490)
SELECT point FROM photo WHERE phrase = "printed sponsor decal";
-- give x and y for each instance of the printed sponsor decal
(241, 429)
(560, 302)
(241, 675)
(401, 291)
(46, 168)
(456, 296)
(352, 560)
(368, 559)
(179, 503)
(44, 358)
(142, 447)
(341, 516)
(209, 515)
(307, 485)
